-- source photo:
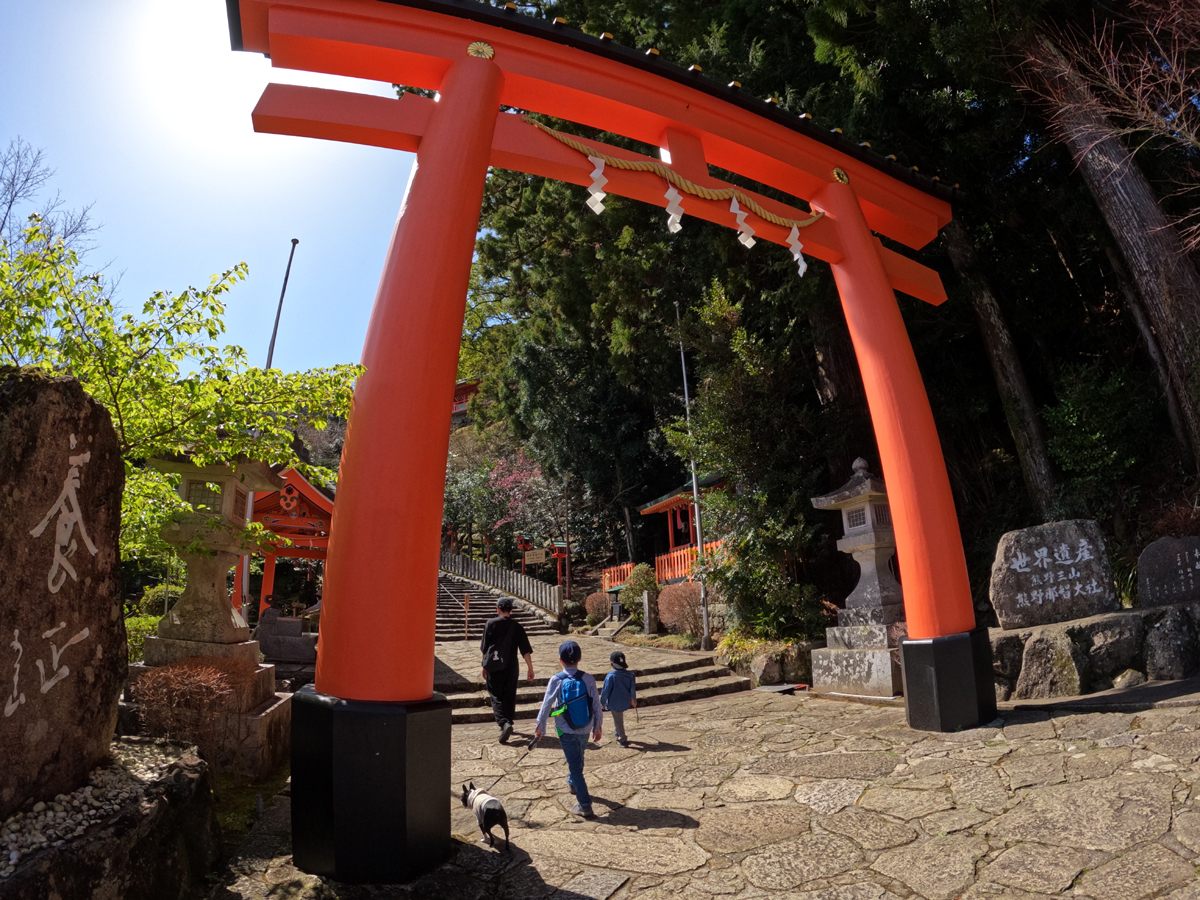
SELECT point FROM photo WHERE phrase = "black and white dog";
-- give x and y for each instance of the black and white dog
(489, 812)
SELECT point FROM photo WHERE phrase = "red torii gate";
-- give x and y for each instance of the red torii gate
(374, 713)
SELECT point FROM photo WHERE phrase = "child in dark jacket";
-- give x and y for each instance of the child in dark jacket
(619, 694)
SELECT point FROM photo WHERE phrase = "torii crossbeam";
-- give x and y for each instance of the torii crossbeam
(371, 742)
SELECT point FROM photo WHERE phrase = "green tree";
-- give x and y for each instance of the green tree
(170, 389)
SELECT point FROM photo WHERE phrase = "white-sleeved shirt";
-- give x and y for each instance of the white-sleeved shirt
(551, 700)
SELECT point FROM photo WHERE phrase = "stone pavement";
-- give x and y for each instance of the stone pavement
(758, 795)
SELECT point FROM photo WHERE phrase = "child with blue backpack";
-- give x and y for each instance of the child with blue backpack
(619, 695)
(574, 703)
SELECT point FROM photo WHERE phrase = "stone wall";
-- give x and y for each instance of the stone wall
(1083, 656)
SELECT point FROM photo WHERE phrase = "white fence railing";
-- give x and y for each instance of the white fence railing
(542, 595)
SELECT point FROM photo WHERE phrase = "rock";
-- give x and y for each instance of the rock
(628, 852)
(938, 869)
(790, 863)
(870, 830)
(1053, 666)
(1031, 867)
(1104, 814)
(1114, 642)
(829, 795)
(1008, 648)
(62, 637)
(734, 830)
(1171, 651)
(755, 789)
(1051, 573)
(1138, 873)
(1169, 572)
(837, 765)
(1129, 678)
(796, 661)
(765, 669)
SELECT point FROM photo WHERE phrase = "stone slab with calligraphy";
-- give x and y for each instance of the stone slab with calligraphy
(1169, 572)
(62, 637)
(1052, 573)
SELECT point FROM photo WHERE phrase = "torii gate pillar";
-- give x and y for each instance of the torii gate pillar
(371, 739)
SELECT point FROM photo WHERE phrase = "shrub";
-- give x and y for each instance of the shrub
(593, 621)
(641, 579)
(188, 700)
(157, 600)
(136, 629)
(597, 605)
(572, 613)
(679, 608)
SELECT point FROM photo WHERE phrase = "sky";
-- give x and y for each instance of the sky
(144, 111)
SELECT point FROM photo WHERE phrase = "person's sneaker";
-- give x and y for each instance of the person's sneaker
(621, 743)
(506, 732)
(571, 788)
(585, 811)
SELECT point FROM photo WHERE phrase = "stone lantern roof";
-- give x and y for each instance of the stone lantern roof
(863, 487)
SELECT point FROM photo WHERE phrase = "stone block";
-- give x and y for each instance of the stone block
(1170, 646)
(765, 669)
(1008, 648)
(62, 637)
(1169, 572)
(1114, 642)
(858, 637)
(864, 673)
(1051, 573)
(289, 648)
(159, 651)
(258, 741)
(871, 615)
(1053, 666)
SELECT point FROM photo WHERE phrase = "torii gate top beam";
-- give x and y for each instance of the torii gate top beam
(559, 71)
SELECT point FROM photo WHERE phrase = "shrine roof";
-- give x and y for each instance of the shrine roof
(509, 17)
(681, 496)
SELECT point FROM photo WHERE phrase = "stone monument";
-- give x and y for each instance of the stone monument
(62, 636)
(1051, 573)
(203, 622)
(1169, 572)
(858, 658)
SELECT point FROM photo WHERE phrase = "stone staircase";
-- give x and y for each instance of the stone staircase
(670, 682)
(451, 614)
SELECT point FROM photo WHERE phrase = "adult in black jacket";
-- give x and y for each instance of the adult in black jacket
(506, 636)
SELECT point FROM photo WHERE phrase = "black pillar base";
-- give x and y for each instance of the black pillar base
(948, 682)
(370, 787)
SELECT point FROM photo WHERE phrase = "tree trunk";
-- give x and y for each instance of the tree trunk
(837, 366)
(1147, 332)
(1015, 396)
(1165, 276)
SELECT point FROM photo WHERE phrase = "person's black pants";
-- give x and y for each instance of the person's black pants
(502, 686)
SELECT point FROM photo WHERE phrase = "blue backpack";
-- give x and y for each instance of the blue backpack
(574, 705)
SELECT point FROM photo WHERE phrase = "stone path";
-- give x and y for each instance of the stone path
(797, 798)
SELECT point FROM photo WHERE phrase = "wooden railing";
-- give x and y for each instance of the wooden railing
(544, 596)
(615, 577)
(678, 563)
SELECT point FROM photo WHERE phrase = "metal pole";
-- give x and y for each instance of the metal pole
(279, 309)
(705, 638)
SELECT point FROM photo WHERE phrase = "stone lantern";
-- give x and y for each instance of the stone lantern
(209, 540)
(858, 658)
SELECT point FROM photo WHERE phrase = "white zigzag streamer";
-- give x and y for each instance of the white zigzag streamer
(793, 241)
(675, 210)
(745, 232)
(598, 182)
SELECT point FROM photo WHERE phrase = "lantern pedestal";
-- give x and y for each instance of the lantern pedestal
(369, 787)
(948, 681)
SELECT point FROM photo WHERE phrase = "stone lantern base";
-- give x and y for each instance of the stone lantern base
(859, 657)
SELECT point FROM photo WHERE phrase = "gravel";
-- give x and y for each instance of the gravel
(134, 768)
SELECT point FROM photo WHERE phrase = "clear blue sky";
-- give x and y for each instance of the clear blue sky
(143, 110)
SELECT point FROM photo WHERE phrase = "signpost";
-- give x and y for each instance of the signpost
(535, 556)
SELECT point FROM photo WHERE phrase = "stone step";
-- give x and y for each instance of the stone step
(533, 693)
(692, 690)
(681, 665)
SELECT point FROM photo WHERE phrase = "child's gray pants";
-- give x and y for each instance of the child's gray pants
(618, 724)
